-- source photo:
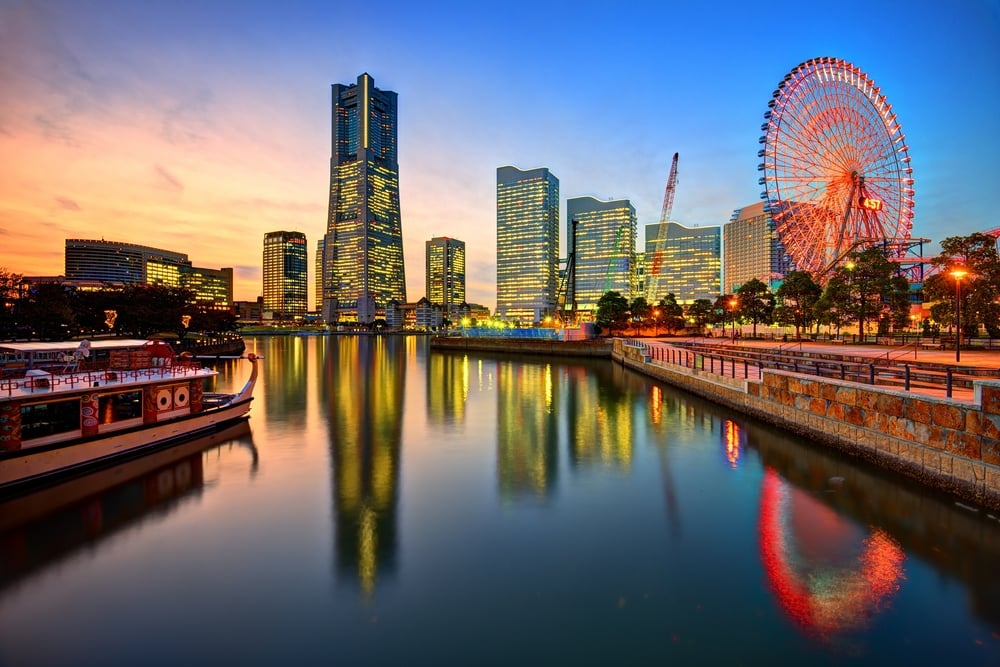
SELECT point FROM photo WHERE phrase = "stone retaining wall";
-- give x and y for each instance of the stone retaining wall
(600, 348)
(946, 444)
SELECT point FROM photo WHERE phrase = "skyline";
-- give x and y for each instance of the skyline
(199, 129)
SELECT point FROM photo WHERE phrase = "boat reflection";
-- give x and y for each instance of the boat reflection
(42, 526)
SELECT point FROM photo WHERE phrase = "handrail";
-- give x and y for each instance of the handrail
(903, 350)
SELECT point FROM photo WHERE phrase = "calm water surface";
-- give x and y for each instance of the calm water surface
(391, 505)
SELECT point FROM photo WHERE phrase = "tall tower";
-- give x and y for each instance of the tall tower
(602, 239)
(286, 282)
(527, 243)
(446, 273)
(363, 246)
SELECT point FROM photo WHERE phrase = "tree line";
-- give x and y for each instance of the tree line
(56, 311)
(866, 289)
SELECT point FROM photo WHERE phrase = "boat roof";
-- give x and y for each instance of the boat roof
(54, 346)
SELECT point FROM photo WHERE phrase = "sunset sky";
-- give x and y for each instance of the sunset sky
(198, 126)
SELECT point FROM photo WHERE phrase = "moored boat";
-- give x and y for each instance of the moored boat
(58, 420)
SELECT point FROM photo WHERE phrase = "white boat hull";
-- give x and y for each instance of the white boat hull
(28, 466)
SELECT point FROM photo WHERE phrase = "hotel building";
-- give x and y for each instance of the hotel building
(445, 274)
(601, 237)
(684, 261)
(363, 246)
(115, 263)
(751, 249)
(527, 243)
(286, 282)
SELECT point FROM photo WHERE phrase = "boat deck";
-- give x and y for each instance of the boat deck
(47, 384)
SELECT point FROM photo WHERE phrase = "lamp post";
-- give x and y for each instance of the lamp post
(958, 273)
(732, 308)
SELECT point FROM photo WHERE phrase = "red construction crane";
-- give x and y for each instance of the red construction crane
(652, 280)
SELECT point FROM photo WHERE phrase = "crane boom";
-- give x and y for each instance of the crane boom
(661, 238)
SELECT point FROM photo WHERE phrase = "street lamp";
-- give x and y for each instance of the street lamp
(958, 273)
(732, 307)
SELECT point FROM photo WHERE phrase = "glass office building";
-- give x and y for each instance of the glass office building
(683, 261)
(363, 246)
(286, 281)
(527, 244)
(445, 274)
(601, 238)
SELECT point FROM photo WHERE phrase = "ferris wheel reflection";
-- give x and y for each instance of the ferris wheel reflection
(828, 574)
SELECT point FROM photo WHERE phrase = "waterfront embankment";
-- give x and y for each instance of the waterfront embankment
(948, 444)
(593, 348)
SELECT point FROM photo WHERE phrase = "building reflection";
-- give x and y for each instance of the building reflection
(527, 428)
(599, 418)
(44, 526)
(447, 387)
(364, 383)
(284, 374)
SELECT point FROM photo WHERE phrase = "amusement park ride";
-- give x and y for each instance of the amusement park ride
(836, 169)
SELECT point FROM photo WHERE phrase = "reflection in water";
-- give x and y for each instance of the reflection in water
(599, 417)
(365, 380)
(40, 527)
(527, 429)
(447, 387)
(826, 575)
(733, 437)
(284, 373)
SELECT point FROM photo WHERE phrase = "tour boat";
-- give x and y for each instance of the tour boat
(73, 413)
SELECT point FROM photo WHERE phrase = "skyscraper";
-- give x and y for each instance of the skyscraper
(527, 243)
(601, 237)
(446, 274)
(752, 249)
(684, 261)
(363, 246)
(286, 282)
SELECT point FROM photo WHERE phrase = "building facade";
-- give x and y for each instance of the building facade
(445, 274)
(527, 244)
(286, 275)
(115, 263)
(601, 236)
(751, 249)
(684, 261)
(363, 246)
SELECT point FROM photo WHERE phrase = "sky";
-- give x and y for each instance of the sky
(199, 126)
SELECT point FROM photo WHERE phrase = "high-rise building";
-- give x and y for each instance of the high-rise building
(751, 249)
(363, 246)
(446, 274)
(318, 275)
(684, 261)
(116, 263)
(601, 237)
(286, 281)
(527, 243)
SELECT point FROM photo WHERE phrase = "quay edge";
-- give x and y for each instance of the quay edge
(594, 348)
(948, 445)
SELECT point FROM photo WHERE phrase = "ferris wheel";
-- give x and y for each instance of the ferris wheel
(836, 169)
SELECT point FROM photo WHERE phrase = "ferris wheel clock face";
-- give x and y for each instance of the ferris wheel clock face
(836, 168)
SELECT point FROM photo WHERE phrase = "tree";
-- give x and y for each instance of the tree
(672, 313)
(796, 299)
(700, 311)
(49, 311)
(726, 309)
(10, 285)
(977, 253)
(866, 289)
(756, 303)
(612, 311)
(149, 309)
(640, 311)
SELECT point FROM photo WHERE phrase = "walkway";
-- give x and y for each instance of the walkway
(931, 367)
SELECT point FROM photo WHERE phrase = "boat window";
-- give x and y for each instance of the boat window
(117, 407)
(42, 419)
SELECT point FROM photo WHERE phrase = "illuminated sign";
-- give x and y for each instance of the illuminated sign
(871, 204)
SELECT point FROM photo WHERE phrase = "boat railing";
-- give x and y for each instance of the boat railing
(96, 378)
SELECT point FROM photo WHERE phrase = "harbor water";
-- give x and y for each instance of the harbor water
(387, 504)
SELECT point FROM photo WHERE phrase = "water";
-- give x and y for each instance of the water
(390, 505)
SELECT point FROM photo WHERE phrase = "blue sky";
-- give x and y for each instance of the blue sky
(200, 126)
